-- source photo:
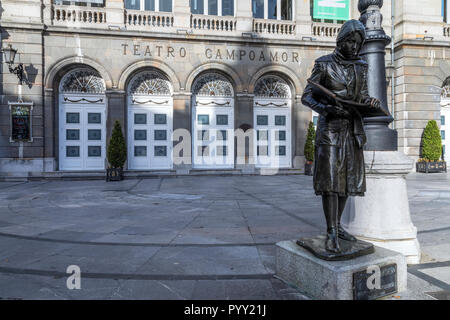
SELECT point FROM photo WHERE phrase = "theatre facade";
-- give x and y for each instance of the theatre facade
(196, 85)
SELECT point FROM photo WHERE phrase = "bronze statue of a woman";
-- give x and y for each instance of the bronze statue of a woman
(339, 169)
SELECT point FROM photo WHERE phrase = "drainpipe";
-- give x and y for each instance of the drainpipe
(393, 61)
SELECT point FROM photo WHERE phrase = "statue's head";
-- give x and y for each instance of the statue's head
(351, 38)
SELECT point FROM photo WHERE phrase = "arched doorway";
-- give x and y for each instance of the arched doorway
(213, 122)
(82, 121)
(445, 119)
(272, 122)
(150, 121)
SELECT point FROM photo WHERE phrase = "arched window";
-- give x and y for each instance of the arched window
(151, 83)
(272, 87)
(82, 81)
(213, 85)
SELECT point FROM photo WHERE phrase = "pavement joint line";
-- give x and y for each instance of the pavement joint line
(123, 276)
(436, 282)
(137, 244)
(434, 230)
(282, 210)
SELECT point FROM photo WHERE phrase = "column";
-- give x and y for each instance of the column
(302, 17)
(182, 14)
(50, 131)
(115, 12)
(243, 119)
(244, 16)
(182, 129)
(117, 110)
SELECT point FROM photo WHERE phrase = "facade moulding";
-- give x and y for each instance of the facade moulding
(133, 68)
(295, 82)
(210, 66)
(53, 72)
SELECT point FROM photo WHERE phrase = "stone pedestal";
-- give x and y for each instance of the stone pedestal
(382, 217)
(337, 280)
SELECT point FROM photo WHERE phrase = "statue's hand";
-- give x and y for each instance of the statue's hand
(374, 102)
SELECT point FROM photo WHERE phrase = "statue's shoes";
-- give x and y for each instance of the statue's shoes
(345, 235)
(332, 242)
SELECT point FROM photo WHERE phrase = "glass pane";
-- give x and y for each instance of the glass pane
(315, 120)
(197, 6)
(222, 119)
(160, 151)
(280, 120)
(212, 7)
(258, 9)
(150, 5)
(263, 150)
(203, 151)
(221, 135)
(281, 135)
(272, 12)
(160, 135)
(140, 151)
(132, 4)
(443, 134)
(160, 119)
(262, 135)
(72, 151)
(140, 118)
(227, 7)
(72, 117)
(262, 120)
(140, 134)
(286, 9)
(165, 5)
(443, 120)
(73, 134)
(94, 118)
(203, 135)
(94, 151)
(203, 119)
(221, 151)
(280, 150)
(94, 134)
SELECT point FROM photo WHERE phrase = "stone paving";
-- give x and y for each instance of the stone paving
(209, 237)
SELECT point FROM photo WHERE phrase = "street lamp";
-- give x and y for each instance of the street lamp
(9, 54)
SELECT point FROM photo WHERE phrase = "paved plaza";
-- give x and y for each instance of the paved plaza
(206, 237)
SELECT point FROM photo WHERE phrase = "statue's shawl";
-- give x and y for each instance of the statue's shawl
(349, 27)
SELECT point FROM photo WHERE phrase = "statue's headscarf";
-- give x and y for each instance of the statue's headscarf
(348, 28)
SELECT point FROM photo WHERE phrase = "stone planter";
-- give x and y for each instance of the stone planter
(431, 167)
(114, 174)
(309, 168)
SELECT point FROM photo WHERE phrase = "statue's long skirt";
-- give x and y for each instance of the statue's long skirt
(339, 162)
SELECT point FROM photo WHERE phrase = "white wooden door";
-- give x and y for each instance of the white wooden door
(150, 131)
(82, 132)
(213, 132)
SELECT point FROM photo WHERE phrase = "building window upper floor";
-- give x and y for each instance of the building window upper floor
(272, 9)
(150, 5)
(213, 7)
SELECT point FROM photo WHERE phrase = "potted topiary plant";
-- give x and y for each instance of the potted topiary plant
(116, 153)
(309, 149)
(431, 150)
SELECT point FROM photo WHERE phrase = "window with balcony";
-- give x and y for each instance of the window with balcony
(272, 9)
(86, 3)
(330, 11)
(213, 7)
(150, 5)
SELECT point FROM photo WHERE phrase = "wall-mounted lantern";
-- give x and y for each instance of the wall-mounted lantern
(9, 54)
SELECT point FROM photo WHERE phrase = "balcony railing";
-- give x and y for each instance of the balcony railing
(274, 27)
(328, 30)
(447, 31)
(64, 15)
(213, 23)
(135, 19)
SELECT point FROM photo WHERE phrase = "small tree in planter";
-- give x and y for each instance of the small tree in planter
(431, 150)
(116, 153)
(309, 149)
